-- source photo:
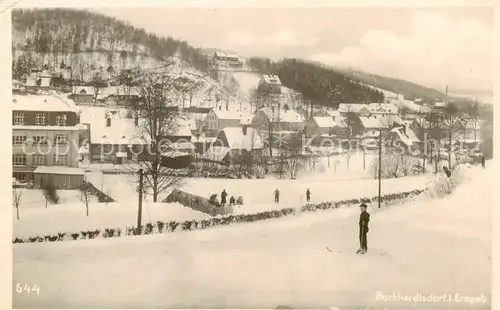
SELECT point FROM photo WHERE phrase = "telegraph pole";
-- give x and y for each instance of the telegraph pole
(139, 211)
(379, 166)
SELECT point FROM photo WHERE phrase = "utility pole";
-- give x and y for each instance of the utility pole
(379, 166)
(139, 211)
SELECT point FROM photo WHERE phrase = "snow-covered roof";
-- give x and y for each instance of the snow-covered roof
(216, 153)
(239, 141)
(351, 107)
(121, 131)
(271, 79)
(328, 121)
(185, 125)
(372, 122)
(47, 103)
(324, 121)
(285, 116)
(383, 108)
(59, 170)
(227, 55)
(406, 135)
(331, 112)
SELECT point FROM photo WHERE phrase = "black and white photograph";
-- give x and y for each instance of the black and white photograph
(266, 157)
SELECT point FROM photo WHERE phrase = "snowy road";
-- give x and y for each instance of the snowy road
(438, 247)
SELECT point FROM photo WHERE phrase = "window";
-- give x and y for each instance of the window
(61, 139)
(19, 159)
(40, 160)
(61, 120)
(21, 177)
(19, 118)
(18, 140)
(41, 140)
(41, 119)
(60, 160)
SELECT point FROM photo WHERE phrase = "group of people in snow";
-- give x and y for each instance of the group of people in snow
(232, 200)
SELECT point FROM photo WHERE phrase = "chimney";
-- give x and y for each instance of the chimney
(108, 121)
(244, 129)
(136, 120)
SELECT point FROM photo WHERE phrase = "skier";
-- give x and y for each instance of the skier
(308, 195)
(364, 219)
(232, 201)
(223, 196)
(277, 196)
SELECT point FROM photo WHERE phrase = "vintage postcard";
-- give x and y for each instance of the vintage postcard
(271, 157)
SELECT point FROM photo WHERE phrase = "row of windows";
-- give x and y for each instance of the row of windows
(59, 139)
(40, 119)
(40, 160)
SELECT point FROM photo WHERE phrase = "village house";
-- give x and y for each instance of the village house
(403, 136)
(270, 83)
(45, 141)
(83, 94)
(227, 60)
(356, 108)
(218, 119)
(116, 140)
(235, 145)
(278, 120)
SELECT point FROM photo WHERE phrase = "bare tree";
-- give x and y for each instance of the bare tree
(17, 194)
(157, 128)
(86, 194)
(292, 154)
(435, 119)
(97, 83)
(473, 113)
(452, 121)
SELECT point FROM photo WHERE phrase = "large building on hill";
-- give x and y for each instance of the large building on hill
(45, 141)
(226, 60)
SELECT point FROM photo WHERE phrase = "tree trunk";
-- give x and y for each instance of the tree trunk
(449, 147)
(87, 208)
(17, 212)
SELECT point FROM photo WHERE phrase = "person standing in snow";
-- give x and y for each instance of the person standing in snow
(277, 196)
(483, 162)
(447, 171)
(223, 196)
(308, 195)
(364, 219)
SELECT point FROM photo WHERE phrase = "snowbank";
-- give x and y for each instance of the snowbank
(71, 217)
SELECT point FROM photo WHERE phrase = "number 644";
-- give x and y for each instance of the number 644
(27, 289)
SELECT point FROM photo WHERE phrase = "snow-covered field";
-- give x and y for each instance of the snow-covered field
(325, 184)
(427, 247)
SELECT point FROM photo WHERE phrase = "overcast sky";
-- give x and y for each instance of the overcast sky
(433, 47)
